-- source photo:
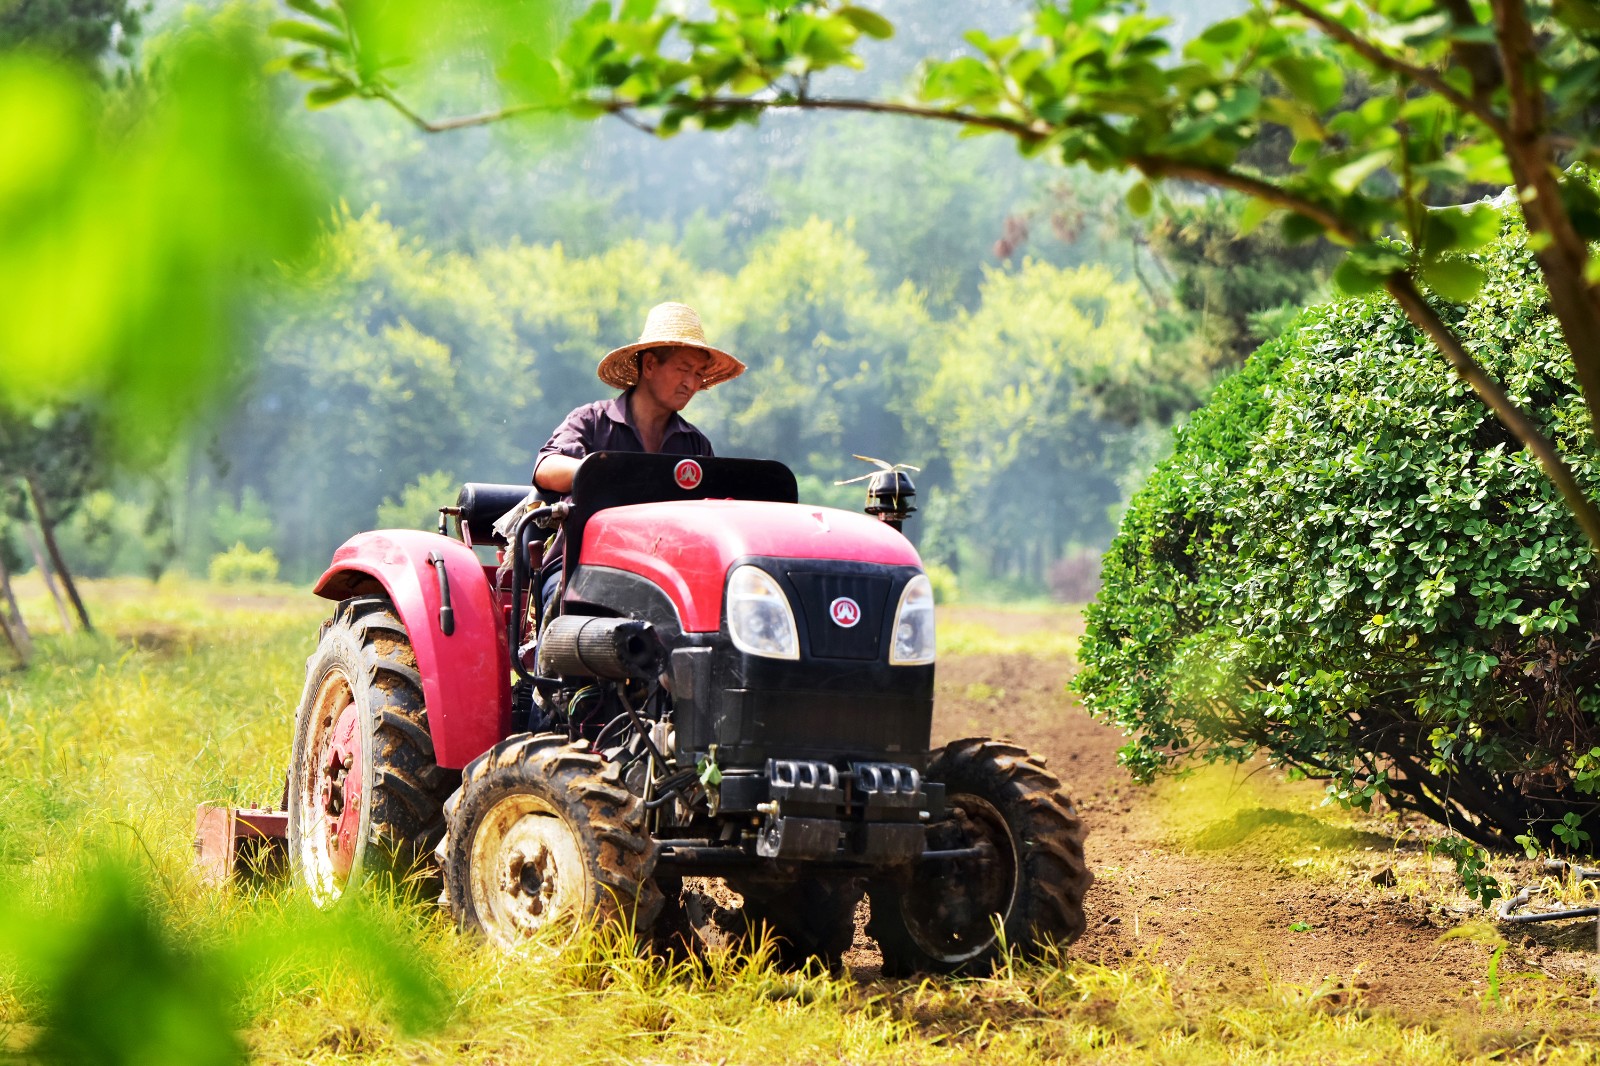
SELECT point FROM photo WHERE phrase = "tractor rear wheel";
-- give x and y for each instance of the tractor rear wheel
(542, 833)
(1024, 889)
(364, 793)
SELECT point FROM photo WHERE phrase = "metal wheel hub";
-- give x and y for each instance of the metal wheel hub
(952, 914)
(527, 870)
(331, 795)
(340, 791)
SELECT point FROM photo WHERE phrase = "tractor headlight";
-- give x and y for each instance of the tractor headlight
(760, 620)
(913, 624)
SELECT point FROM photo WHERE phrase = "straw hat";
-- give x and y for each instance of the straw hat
(668, 325)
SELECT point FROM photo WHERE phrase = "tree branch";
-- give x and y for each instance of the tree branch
(625, 109)
(1564, 261)
(1250, 185)
(1379, 58)
(1405, 293)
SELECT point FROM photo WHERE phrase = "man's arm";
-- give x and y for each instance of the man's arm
(558, 460)
(554, 472)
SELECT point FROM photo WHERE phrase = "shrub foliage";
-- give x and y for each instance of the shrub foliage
(1347, 563)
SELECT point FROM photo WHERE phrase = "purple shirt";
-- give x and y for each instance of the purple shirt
(605, 426)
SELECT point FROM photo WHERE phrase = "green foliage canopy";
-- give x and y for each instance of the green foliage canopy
(1348, 564)
(1465, 94)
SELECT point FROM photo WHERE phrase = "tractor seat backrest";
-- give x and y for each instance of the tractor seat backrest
(616, 479)
(482, 504)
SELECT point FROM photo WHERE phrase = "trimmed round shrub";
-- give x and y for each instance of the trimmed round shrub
(1348, 563)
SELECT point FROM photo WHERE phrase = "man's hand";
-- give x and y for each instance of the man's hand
(554, 472)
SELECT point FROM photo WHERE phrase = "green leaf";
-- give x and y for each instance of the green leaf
(328, 95)
(1348, 178)
(1457, 280)
(1314, 79)
(868, 22)
(1253, 214)
(534, 78)
(1581, 15)
(1357, 280)
(290, 30)
(317, 11)
(1240, 105)
(1459, 229)
(1140, 198)
(1298, 228)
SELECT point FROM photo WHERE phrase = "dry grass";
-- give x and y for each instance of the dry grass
(108, 743)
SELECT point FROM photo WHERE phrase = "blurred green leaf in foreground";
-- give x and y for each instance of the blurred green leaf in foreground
(109, 984)
(104, 973)
(134, 220)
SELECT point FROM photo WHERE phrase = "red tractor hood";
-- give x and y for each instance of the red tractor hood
(687, 548)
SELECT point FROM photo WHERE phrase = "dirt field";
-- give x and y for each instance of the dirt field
(1238, 880)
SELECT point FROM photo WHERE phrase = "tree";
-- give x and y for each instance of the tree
(1347, 564)
(48, 463)
(834, 349)
(1033, 468)
(80, 32)
(1464, 93)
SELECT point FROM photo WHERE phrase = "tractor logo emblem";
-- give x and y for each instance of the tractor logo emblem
(687, 474)
(845, 612)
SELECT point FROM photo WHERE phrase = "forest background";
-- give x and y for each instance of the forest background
(898, 291)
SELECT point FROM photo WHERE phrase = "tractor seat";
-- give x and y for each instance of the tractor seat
(481, 505)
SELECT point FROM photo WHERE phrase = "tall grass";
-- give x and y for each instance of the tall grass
(113, 950)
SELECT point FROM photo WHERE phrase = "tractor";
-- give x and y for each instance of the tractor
(720, 724)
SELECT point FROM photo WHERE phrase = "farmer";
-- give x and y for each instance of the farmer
(659, 374)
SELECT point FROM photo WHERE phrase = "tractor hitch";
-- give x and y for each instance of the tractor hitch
(230, 840)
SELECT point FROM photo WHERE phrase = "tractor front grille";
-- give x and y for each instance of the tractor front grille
(819, 592)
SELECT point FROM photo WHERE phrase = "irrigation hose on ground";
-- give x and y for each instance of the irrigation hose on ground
(1555, 866)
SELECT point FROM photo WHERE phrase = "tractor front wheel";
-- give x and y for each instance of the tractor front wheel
(1017, 876)
(543, 834)
(365, 794)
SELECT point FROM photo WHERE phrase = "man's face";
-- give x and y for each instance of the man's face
(673, 375)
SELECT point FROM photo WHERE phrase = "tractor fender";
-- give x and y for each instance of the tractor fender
(466, 676)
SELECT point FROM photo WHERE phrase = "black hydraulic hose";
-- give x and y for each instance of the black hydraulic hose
(447, 616)
(671, 786)
(644, 732)
(1521, 899)
(600, 738)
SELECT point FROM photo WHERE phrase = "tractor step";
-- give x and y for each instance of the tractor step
(230, 840)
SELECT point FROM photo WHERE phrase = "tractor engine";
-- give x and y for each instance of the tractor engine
(797, 653)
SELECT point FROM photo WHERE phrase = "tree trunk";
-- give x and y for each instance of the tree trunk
(48, 575)
(55, 553)
(16, 630)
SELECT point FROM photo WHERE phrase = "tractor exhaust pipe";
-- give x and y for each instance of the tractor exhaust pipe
(576, 645)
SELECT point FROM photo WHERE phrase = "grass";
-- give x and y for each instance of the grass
(107, 934)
